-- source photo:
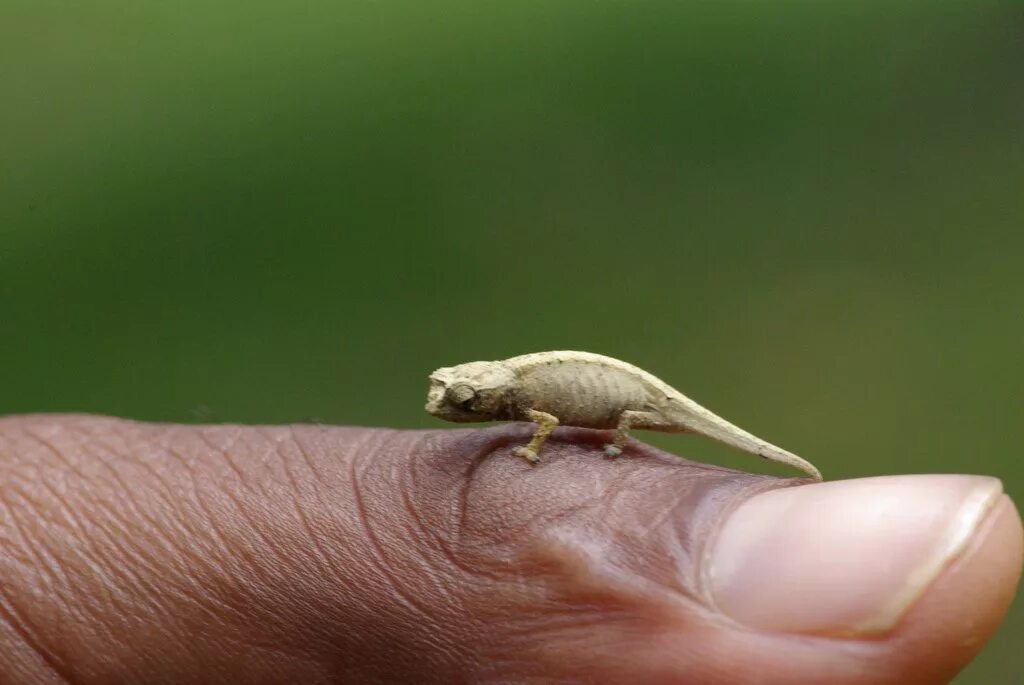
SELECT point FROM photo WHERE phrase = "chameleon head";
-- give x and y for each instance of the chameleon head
(471, 392)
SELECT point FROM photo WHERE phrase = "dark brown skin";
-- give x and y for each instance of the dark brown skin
(177, 554)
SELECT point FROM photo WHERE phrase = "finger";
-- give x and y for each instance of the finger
(162, 553)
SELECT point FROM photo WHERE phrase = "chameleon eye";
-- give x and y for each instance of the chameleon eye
(461, 393)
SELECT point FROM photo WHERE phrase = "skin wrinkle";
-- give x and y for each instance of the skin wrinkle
(90, 554)
(368, 631)
(64, 578)
(52, 450)
(38, 556)
(577, 573)
(223, 450)
(186, 462)
(617, 491)
(494, 449)
(249, 561)
(173, 556)
(147, 559)
(43, 568)
(421, 478)
(436, 479)
(10, 530)
(532, 522)
(164, 492)
(292, 435)
(378, 549)
(41, 555)
(252, 565)
(465, 489)
(222, 542)
(250, 552)
(10, 617)
(232, 542)
(225, 610)
(278, 616)
(370, 460)
(614, 590)
(440, 582)
(450, 539)
(360, 518)
(14, 618)
(250, 557)
(127, 524)
(112, 570)
(610, 497)
(323, 558)
(124, 584)
(261, 447)
(649, 529)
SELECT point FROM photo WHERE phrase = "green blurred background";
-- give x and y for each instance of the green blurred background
(807, 216)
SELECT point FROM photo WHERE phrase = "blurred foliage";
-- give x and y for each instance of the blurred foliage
(807, 216)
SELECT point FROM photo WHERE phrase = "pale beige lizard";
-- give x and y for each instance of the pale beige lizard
(586, 390)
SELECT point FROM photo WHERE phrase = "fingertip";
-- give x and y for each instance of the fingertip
(846, 557)
(961, 611)
(944, 551)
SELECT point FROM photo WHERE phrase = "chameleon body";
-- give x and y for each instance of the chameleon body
(586, 390)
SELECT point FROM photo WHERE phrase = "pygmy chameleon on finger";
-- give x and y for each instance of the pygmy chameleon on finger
(586, 390)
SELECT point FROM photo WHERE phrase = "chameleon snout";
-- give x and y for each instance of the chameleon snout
(435, 399)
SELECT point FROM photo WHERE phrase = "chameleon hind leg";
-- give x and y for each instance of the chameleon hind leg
(631, 418)
(545, 424)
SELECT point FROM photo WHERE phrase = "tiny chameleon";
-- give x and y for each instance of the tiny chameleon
(585, 390)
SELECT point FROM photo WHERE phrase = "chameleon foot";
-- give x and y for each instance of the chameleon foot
(527, 454)
(612, 450)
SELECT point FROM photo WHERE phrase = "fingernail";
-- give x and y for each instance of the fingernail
(845, 558)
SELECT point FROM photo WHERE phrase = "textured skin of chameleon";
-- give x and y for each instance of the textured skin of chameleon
(586, 390)
(580, 391)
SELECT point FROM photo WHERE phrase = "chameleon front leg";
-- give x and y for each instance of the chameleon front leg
(545, 424)
(631, 418)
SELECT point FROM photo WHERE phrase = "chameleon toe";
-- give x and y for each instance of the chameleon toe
(527, 454)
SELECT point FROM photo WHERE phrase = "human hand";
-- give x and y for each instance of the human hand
(150, 553)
